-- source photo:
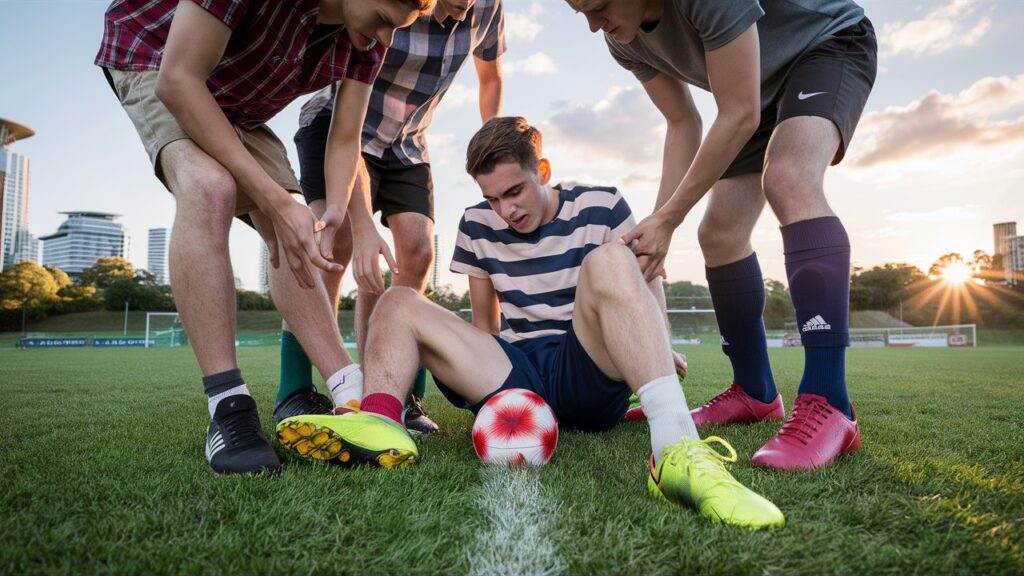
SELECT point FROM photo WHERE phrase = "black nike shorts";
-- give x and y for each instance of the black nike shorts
(394, 187)
(830, 80)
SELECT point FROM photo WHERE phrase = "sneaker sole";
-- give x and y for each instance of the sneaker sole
(321, 443)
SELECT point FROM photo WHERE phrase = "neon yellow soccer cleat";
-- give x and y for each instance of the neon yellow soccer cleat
(351, 438)
(692, 473)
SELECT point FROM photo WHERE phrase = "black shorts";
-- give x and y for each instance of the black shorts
(561, 372)
(394, 187)
(830, 80)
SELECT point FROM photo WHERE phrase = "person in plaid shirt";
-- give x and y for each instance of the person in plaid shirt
(199, 79)
(418, 69)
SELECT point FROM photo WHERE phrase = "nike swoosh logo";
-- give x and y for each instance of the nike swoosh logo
(802, 96)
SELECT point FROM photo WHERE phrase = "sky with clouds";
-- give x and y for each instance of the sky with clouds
(937, 159)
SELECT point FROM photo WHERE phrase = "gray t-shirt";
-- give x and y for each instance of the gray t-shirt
(690, 28)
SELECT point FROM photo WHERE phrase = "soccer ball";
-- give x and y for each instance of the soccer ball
(515, 427)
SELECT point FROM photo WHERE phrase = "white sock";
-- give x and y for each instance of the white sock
(346, 384)
(667, 414)
(212, 401)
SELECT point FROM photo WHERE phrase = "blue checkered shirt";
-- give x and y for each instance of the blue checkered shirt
(418, 69)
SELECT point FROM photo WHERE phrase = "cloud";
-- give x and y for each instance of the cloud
(953, 25)
(536, 64)
(458, 95)
(524, 25)
(624, 127)
(941, 124)
(968, 212)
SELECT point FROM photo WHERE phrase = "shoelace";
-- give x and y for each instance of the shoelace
(808, 414)
(695, 453)
(242, 427)
(728, 394)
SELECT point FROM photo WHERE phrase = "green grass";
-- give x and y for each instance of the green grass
(101, 452)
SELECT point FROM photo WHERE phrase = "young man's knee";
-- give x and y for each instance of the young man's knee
(784, 181)
(610, 269)
(208, 195)
(397, 303)
(415, 261)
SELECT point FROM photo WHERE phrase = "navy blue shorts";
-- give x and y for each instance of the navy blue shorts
(563, 374)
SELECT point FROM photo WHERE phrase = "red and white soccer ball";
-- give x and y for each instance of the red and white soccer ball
(515, 427)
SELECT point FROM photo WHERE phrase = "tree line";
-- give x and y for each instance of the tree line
(31, 291)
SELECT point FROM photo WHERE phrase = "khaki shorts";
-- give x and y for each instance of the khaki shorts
(157, 127)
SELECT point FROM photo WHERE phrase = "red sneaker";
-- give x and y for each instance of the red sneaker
(733, 406)
(815, 434)
(635, 415)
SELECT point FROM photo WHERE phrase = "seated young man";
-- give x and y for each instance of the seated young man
(581, 328)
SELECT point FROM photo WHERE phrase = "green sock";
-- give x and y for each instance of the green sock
(419, 387)
(296, 370)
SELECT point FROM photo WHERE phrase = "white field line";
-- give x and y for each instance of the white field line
(520, 534)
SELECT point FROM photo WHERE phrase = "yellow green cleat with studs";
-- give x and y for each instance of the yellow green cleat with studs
(693, 474)
(350, 438)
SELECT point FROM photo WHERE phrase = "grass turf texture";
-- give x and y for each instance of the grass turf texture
(102, 461)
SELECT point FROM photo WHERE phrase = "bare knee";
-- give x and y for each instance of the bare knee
(207, 198)
(792, 189)
(414, 262)
(611, 271)
(397, 304)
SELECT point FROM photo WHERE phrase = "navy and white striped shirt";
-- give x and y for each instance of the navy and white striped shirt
(418, 69)
(535, 274)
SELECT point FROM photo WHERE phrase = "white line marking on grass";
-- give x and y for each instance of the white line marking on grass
(519, 538)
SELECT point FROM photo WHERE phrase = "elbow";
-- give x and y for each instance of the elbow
(168, 89)
(749, 119)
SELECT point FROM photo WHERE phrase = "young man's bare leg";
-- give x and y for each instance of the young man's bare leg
(203, 285)
(296, 377)
(406, 331)
(309, 315)
(738, 294)
(817, 252)
(413, 237)
(622, 329)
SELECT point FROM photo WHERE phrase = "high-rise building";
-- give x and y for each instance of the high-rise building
(156, 261)
(435, 271)
(9, 132)
(26, 247)
(1013, 262)
(16, 196)
(1002, 234)
(264, 283)
(84, 238)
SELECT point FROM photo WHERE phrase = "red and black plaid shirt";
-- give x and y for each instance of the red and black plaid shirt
(276, 52)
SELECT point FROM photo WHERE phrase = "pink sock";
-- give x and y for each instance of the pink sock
(383, 404)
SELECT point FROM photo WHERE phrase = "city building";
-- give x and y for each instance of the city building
(26, 247)
(435, 271)
(84, 238)
(1009, 250)
(264, 281)
(9, 133)
(156, 261)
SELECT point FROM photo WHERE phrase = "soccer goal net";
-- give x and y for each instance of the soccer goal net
(164, 330)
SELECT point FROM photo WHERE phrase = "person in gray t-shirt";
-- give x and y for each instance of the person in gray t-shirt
(790, 78)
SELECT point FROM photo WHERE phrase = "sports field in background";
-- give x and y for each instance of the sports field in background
(101, 455)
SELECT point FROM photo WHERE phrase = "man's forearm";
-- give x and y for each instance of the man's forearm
(359, 202)
(195, 109)
(657, 288)
(724, 140)
(490, 98)
(682, 139)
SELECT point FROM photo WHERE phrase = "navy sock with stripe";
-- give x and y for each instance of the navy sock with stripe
(818, 267)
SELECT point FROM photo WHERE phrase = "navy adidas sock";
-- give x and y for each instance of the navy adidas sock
(737, 292)
(818, 267)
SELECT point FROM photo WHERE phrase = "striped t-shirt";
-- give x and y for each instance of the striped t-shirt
(535, 274)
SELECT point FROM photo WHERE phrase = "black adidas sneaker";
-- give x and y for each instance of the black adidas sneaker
(235, 443)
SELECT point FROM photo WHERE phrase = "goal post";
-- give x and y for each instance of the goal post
(164, 330)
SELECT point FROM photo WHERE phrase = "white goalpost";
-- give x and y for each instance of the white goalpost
(164, 330)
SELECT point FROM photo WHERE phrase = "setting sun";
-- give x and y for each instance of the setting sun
(956, 273)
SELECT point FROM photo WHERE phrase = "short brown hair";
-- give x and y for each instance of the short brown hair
(508, 138)
(421, 6)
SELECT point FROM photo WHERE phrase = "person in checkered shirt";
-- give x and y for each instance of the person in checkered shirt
(199, 79)
(419, 67)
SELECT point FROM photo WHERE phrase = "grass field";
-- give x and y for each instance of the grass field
(101, 452)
